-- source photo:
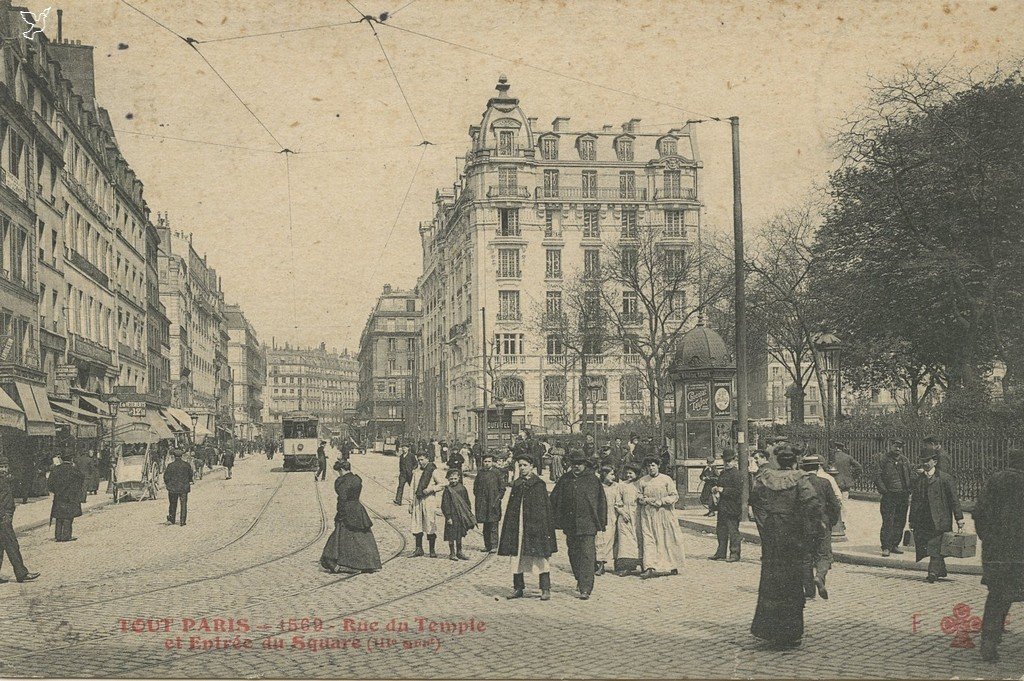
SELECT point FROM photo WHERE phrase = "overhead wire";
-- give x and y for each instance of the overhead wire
(401, 206)
(391, 14)
(291, 241)
(281, 32)
(397, 81)
(194, 141)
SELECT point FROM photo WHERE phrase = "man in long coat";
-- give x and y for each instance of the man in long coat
(488, 491)
(8, 539)
(729, 486)
(819, 554)
(426, 504)
(406, 469)
(178, 479)
(581, 511)
(893, 481)
(1000, 526)
(67, 484)
(528, 531)
(933, 505)
(788, 514)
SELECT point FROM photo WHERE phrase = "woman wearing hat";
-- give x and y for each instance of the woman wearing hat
(627, 521)
(789, 519)
(660, 536)
(351, 547)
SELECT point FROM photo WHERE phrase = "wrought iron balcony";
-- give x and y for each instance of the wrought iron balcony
(609, 194)
(79, 261)
(502, 191)
(677, 193)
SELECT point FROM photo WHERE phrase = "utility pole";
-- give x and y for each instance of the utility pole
(741, 319)
(484, 415)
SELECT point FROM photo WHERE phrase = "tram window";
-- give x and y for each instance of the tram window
(300, 429)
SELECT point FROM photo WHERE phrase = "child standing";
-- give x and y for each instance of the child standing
(458, 514)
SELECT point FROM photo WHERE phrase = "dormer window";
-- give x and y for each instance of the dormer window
(506, 142)
(624, 149)
(549, 148)
(668, 146)
(588, 149)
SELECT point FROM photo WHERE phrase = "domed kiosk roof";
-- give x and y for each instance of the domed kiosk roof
(702, 348)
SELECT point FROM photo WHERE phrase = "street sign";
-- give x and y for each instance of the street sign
(66, 372)
(135, 409)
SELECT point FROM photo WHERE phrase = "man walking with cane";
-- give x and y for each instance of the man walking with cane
(178, 481)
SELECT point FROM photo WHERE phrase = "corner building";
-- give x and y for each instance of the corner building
(532, 208)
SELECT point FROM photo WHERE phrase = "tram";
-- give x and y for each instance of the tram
(301, 437)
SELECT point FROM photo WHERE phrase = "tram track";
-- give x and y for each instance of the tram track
(93, 638)
(447, 579)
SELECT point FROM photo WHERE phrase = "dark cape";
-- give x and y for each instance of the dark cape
(426, 475)
(579, 504)
(789, 519)
(351, 547)
(999, 522)
(67, 484)
(530, 497)
(488, 490)
(458, 514)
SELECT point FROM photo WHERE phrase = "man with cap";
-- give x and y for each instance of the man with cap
(729, 485)
(943, 461)
(819, 553)
(321, 462)
(893, 481)
(788, 514)
(488, 491)
(8, 539)
(528, 530)
(848, 469)
(66, 483)
(581, 511)
(933, 505)
(406, 471)
(1000, 526)
(178, 481)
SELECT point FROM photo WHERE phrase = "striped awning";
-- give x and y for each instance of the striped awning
(11, 415)
(38, 415)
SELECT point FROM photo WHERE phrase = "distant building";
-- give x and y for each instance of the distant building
(248, 373)
(314, 380)
(389, 350)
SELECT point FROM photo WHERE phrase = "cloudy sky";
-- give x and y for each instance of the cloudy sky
(790, 70)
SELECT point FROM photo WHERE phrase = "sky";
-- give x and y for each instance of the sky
(309, 269)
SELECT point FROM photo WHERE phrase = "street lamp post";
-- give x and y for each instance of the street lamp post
(594, 390)
(828, 347)
(114, 405)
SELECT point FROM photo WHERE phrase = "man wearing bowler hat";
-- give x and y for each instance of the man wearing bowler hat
(893, 481)
(729, 486)
(581, 511)
(819, 551)
(943, 461)
(933, 505)
(178, 481)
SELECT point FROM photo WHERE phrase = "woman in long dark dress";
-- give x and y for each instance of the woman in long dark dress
(789, 515)
(352, 547)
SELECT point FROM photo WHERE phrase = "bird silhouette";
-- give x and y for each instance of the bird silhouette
(36, 22)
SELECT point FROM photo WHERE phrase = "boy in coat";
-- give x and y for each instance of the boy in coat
(819, 552)
(488, 491)
(727, 526)
(528, 531)
(581, 511)
(67, 484)
(178, 481)
(458, 514)
(933, 505)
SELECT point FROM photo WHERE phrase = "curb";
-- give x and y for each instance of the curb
(851, 558)
(109, 502)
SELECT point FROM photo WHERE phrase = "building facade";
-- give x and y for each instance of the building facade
(389, 403)
(248, 373)
(314, 380)
(531, 209)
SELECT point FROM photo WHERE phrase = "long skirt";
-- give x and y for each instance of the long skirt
(605, 543)
(662, 540)
(350, 551)
(779, 616)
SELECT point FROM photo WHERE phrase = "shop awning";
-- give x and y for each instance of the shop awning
(80, 429)
(101, 408)
(201, 430)
(158, 425)
(136, 433)
(179, 415)
(71, 410)
(171, 422)
(11, 415)
(38, 415)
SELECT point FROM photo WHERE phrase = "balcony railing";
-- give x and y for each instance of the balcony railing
(47, 133)
(667, 193)
(502, 191)
(79, 261)
(502, 360)
(590, 194)
(509, 316)
(632, 360)
(128, 352)
(91, 350)
(82, 194)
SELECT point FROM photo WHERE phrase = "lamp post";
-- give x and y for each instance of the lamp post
(828, 347)
(114, 405)
(594, 390)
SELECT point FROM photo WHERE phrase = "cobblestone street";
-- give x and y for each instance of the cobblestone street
(249, 557)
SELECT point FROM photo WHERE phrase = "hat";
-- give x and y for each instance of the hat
(839, 445)
(632, 467)
(810, 460)
(578, 456)
(523, 456)
(728, 455)
(897, 443)
(930, 440)
(785, 455)
(927, 455)
(176, 452)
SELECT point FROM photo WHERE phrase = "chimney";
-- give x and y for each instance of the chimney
(606, 128)
(532, 122)
(556, 125)
(60, 26)
(630, 126)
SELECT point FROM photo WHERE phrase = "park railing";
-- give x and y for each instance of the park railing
(975, 453)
